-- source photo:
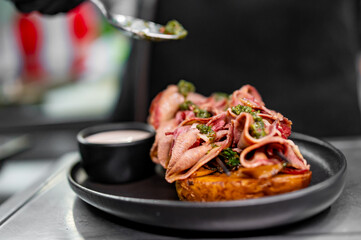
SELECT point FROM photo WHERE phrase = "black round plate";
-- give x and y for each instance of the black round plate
(153, 201)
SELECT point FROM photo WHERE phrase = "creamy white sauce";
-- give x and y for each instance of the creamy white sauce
(118, 136)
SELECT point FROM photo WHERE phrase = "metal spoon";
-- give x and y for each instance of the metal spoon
(138, 28)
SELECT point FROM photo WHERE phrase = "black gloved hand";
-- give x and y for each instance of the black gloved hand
(49, 7)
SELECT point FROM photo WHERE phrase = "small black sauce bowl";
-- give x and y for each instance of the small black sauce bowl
(116, 162)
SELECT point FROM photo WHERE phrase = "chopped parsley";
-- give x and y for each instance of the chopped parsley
(230, 157)
(257, 129)
(202, 113)
(175, 28)
(185, 87)
(189, 105)
(208, 131)
(240, 109)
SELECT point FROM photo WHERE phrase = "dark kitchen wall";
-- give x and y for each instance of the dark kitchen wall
(300, 55)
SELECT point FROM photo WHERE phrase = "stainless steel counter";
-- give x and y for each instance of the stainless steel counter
(49, 209)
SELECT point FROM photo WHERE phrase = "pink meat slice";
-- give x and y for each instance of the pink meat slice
(182, 143)
(188, 159)
(214, 106)
(196, 98)
(263, 153)
(165, 105)
(159, 152)
(245, 94)
(242, 137)
(184, 115)
(218, 121)
(202, 155)
(284, 125)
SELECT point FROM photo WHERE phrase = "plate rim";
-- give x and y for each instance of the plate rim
(224, 204)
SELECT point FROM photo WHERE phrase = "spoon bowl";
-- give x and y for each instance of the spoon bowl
(139, 28)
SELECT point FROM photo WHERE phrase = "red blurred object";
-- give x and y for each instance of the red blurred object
(30, 40)
(83, 29)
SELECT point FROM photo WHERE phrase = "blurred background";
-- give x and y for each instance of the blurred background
(59, 68)
(61, 73)
(58, 74)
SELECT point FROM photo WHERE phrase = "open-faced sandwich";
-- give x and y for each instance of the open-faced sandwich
(224, 147)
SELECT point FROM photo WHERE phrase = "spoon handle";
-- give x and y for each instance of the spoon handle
(101, 6)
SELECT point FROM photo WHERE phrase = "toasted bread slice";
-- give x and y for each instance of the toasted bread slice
(220, 187)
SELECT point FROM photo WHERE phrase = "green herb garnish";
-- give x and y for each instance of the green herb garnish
(208, 131)
(186, 105)
(175, 28)
(257, 129)
(202, 113)
(240, 109)
(189, 105)
(230, 157)
(185, 87)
